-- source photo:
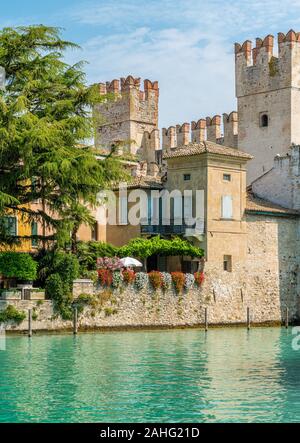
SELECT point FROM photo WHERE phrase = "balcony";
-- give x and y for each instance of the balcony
(196, 230)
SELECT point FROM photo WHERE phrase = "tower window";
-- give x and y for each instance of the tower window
(227, 177)
(264, 120)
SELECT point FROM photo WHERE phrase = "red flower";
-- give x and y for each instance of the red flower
(105, 277)
(128, 276)
(156, 279)
(199, 278)
(178, 280)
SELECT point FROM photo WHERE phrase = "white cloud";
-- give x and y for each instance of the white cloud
(186, 45)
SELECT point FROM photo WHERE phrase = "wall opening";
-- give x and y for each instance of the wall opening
(227, 263)
(264, 120)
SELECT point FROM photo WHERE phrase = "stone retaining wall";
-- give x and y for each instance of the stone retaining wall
(225, 298)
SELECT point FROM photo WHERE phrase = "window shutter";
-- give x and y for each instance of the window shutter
(123, 210)
(226, 206)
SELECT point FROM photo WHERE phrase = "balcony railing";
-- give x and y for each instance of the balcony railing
(173, 228)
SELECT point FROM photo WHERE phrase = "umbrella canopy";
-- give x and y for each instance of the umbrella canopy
(129, 261)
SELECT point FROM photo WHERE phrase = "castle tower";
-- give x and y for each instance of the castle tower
(268, 93)
(127, 114)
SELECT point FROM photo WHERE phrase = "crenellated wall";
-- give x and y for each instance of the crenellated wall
(126, 113)
(268, 85)
(209, 129)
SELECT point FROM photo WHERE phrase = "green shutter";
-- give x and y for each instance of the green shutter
(34, 231)
(10, 224)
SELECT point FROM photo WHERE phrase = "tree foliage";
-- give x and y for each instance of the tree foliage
(45, 119)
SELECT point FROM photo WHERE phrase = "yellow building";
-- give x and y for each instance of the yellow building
(17, 225)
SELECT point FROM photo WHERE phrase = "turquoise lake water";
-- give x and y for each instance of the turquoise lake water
(226, 375)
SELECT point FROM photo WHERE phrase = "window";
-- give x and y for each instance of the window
(188, 207)
(227, 206)
(189, 266)
(264, 120)
(94, 232)
(227, 263)
(10, 226)
(34, 231)
(186, 177)
(177, 210)
(123, 219)
(153, 209)
(227, 177)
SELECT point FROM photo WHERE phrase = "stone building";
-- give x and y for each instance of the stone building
(244, 162)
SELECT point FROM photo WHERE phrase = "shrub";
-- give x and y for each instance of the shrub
(117, 279)
(111, 263)
(60, 293)
(189, 281)
(178, 279)
(67, 266)
(88, 252)
(199, 278)
(155, 279)
(10, 313)
(128, 276)
(18, 265)
(166, 280)
(141, 280)
(105, 277)
(110, 311)
(57, 262)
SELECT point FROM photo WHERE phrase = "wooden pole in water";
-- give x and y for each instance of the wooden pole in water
(29, 323)
(206, 319)
(248, 318)
(75, 326)
(287, 317)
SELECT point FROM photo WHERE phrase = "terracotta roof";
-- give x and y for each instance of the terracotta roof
(206, 147)
(144, 183)
(257, 204)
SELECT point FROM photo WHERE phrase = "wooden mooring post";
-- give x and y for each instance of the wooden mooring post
(29, 323)
(286, 317)
(248, 318)
(75, 321)
(206, 319)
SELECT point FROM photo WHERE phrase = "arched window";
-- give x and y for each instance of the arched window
(264, 120)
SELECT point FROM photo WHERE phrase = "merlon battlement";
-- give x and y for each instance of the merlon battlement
(263, 50)
(125, 85)
(201, 130)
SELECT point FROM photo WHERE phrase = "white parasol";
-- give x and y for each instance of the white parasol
(129, 261)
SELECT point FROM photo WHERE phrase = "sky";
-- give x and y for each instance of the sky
(187, 45)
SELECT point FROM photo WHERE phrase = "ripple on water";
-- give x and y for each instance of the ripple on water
(170, 376)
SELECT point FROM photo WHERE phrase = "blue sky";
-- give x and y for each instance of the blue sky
(187, 45)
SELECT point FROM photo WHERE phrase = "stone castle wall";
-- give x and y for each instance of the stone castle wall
(282, 183)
